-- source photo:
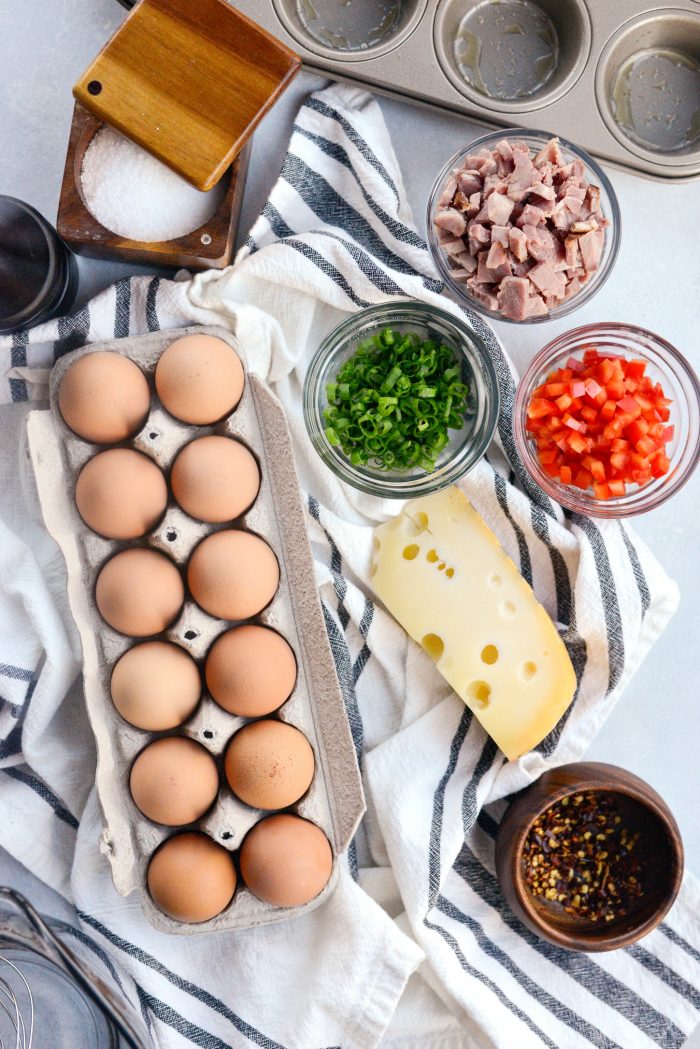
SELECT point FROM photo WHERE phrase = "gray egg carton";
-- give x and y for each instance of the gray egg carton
(416, 61)
(335, 800)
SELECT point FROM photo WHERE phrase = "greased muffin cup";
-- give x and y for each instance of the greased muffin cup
(334, 801)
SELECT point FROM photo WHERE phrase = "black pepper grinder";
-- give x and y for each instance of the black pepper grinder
(38, 272)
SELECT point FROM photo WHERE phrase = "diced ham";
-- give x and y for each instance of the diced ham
(479, 237)
(571, 188)
(462, 203)
(531, 216)
(469, 182)
(543, 204)
(513, 296)
(558, 259)
(540, 242)
(547, 281)
(498, 209)
(494, 184)
(591, 247)
(536, 306)
(448, 192)
(460, 275)
(483, 294)
(521, 236)
(497, 256)
(546, 192)
(551, 152)
(573, 288)
(453, 247)
(500, 234)
(521, 269)
(517, 242)
(592, 199)
(572, 204)
(572, 253)
(451, 220)
(485, 275)
(562, 217)
(465, 260)
(524, 174)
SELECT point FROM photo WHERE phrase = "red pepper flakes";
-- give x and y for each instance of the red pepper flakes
(580, 855)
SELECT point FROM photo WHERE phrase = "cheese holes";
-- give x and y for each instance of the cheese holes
(508, 609)
(421, 522)
(528, 671)
(434, 646)
(495, 581)
(432, 556)
(449, 572)
(441, 566)
(411, 551)
(479, 693)
(489, 654)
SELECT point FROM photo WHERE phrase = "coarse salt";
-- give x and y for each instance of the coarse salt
(136, 196)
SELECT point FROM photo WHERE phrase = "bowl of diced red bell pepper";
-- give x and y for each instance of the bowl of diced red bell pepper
(607, 420)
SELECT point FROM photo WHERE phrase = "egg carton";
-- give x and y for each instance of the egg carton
(335, 799)
(412, 56)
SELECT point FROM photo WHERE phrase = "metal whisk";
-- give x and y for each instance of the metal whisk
(47, 991)
(10, 1004)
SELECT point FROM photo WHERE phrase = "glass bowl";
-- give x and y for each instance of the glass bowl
(465, 446)
(536, 140)
(665, 365)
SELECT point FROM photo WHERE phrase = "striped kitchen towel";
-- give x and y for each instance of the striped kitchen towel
(416, 949)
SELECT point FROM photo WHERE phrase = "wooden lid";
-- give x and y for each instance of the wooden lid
(189, 82)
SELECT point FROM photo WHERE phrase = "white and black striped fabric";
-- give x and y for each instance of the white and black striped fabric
(416, 949)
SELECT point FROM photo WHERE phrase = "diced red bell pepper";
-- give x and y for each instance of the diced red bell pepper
(539, 407)
(600, 423)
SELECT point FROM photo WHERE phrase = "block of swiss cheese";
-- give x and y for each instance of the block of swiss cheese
(444, 576)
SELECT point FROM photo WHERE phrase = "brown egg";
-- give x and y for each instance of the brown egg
(104, 397)
(286, 860)
(269, 764)
(121, 494)
(199, 379)
(155, 686)
(233, 574)
(174, 781)
(215, 479)
(191, 877)
(139, 592)
(250, 671)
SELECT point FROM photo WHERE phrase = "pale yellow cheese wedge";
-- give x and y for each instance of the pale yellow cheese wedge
(444, 576)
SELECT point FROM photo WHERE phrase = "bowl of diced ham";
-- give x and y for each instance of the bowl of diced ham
(607, 420)
(523, 226)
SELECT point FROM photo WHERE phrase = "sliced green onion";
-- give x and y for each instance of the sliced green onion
(394, 400)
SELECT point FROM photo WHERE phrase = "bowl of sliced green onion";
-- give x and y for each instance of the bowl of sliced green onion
(401, 399)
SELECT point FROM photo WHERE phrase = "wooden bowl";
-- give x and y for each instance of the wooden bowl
(660, 852)
(208, 247)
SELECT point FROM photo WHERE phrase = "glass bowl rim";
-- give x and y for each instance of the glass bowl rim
(633, 503)
(379, 484)
(615, 228)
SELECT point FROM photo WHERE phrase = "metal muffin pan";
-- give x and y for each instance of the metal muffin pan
(415, 59)
(334, 800)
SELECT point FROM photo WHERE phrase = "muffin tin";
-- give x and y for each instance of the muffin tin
(334, 800)
(410, 52)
